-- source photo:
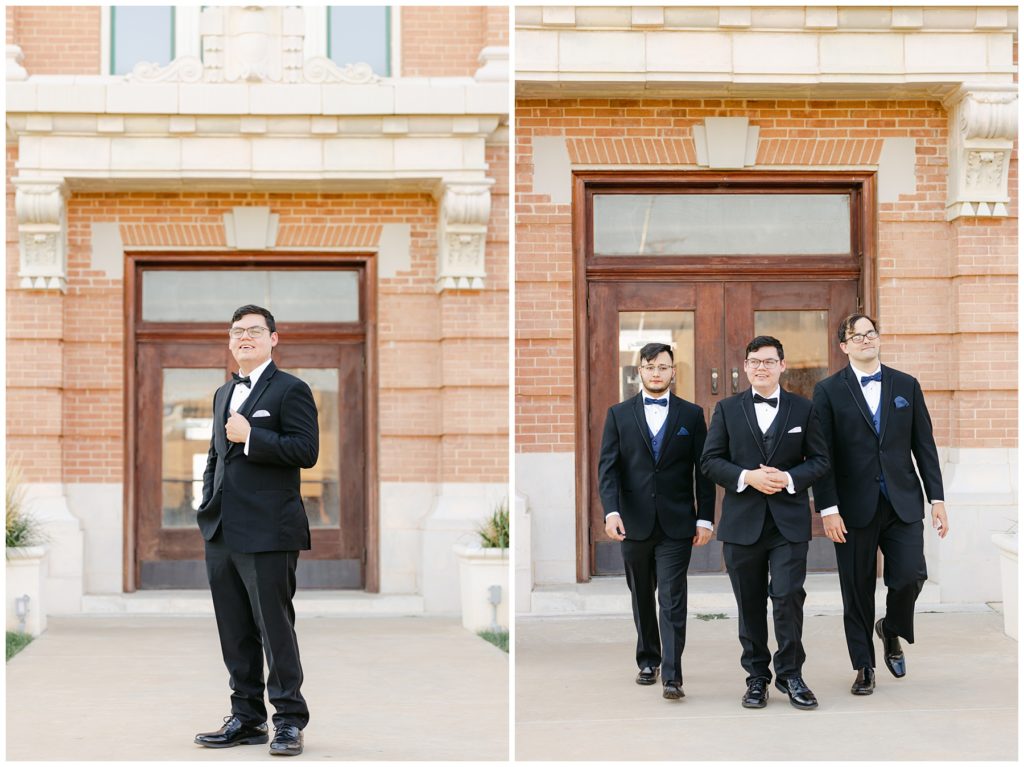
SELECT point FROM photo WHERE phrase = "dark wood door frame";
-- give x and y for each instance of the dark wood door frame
(861, 185)
(136, 261)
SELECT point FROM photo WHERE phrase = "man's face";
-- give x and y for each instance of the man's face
(658, 374)
(764, 368)
(251, 352)
(861, 350)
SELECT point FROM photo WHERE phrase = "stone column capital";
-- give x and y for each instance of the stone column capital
(464, 208)
(41, 208)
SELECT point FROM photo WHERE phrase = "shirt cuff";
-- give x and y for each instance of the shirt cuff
(830, 511)
(935, 502)
(790, 488)
(742, 485)
(705, 523)
(246, 448)
(610, 513)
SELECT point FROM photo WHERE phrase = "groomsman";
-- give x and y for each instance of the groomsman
(874, 419)
(765, 448)
(659, 507)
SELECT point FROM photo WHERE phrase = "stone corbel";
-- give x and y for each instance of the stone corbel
(41, 208)
(465, 207)
(983, 126)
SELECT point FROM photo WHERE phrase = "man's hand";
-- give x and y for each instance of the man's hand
(939, 521)
(613, 527)
(703, 536)
(766, 479)
(834, 528)
(237, 427)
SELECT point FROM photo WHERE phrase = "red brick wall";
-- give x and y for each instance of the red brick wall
(446, 41)
(947, 291)
(56, 40)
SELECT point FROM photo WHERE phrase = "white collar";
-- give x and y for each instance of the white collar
(644, 392)
(860, 372)
(254, 376)
(777, 393)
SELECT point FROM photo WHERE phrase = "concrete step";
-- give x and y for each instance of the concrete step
(193, 603)
(712, 594)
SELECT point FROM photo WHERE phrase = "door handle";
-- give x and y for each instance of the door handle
(714, 380)
(735, 379)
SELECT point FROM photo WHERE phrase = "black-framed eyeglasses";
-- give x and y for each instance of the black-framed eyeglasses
(859, 338)
(756, 363)
(663, 369)
(256, 331)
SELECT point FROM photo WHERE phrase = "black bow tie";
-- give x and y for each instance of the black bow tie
(662, 402)
(865, 380)
(239, 380)
(773, 401)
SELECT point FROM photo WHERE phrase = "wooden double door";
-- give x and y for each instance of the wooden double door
(708, 323)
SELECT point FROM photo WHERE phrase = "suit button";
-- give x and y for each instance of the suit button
(227, 461)
(654, 495)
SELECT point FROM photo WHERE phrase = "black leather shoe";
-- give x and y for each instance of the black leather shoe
(799, 693)
(893, 655)
(864, 684)
(756, 695)
(647, 675)
(673, 691)
(287, 740)
(234, 733)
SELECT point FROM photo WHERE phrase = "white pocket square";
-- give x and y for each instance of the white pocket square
(260, 414)
(794, 430)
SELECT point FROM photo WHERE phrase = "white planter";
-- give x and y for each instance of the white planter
(1007, 545)
(479, 569)
(25, 578)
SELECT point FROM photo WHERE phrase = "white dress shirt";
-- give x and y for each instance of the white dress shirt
(241, 393)
(765, 417)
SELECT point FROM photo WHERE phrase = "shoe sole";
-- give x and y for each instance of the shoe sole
(278, 752)
(673, 696)
(754, 705)
(794, 704)
(257, 741)
(862, 692)
(645, 682)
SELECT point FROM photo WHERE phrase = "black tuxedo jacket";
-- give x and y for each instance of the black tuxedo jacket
(255, 498)
(860, 456)
(643, 490)
(735, 443)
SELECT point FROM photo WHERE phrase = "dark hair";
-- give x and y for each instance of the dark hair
(762, 341)
(241, 311)
(651, 352)
(846, 326)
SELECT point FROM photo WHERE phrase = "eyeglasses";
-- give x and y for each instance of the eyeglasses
(663, 369)
(859, 338)
(256, 331)
(756, 363)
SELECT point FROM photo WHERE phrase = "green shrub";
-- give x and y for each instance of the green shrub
(497, 638)
(494, 532)
(22, 528)
(16, 642)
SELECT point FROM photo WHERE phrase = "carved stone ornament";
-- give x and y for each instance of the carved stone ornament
(41, 208)
(983, 125)
(462, 233)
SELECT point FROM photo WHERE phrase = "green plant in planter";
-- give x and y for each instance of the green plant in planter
(22, 529)
(494, 532)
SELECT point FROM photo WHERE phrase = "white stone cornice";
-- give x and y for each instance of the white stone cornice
(15, 71)
(464, 209)
(41, 207)
(983, 127)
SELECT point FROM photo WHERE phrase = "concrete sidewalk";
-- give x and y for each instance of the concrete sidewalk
(576, 698)
(139, 688)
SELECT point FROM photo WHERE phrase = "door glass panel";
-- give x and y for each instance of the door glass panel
(320, 493)
(170, 295)
(187, 427)
(804, 336)
(636, 329)
(721, 224)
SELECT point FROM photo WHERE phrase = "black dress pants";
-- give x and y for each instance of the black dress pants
(252, 599)
(659, 563)
(772, 567)
(903, 571)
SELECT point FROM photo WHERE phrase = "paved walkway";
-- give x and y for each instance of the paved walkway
(576, 699)
(139, 688)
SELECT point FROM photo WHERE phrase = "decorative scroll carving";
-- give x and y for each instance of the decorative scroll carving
(983, 125)
(187, 69)
(322, 70)
(40, 205)
(462, 231)
(15, 71)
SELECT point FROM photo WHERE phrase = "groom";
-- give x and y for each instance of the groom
(253, 521)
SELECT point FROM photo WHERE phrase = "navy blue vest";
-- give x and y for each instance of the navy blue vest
(657, 440)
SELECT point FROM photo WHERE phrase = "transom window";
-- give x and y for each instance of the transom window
(140, 33)
(360, 35)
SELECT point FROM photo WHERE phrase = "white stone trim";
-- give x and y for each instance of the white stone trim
(726, 142)
(250, 228)
(41, 208)
(15, 71)
(464, 209)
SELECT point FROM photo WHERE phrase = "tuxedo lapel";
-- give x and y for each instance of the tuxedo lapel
(857, 395)
(675, 412)
(781, 421)
(220, 416)
(886, 402)
(747, 405)
(261, 386)
(641, 422)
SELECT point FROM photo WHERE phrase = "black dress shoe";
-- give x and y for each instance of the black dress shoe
(799, 693)
(673, 691)
(893, 655)
(647, 675)
(756, 695)
(287, 740)
(864, 684)
(234, 733)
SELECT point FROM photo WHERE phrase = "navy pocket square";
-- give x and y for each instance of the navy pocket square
(682, 432)
(900, 403)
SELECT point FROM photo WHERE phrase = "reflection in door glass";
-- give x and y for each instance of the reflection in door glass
(187, 426)
(804, 336)
(639, 328)
(320, 493)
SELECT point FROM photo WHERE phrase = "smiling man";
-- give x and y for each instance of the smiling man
(252, 518)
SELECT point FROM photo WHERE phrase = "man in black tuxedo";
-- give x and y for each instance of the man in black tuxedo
(649, 450)
(765, 448)
(874, 419)
(252, 518)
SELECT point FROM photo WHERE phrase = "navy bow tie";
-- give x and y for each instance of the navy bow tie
(662, 402)
(773, 401)
(865, 380)
(240, 380)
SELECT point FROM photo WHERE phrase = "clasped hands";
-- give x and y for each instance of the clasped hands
(237, 428)
(767, 479)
